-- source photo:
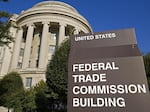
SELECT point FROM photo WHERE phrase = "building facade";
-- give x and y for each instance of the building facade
(39, 31)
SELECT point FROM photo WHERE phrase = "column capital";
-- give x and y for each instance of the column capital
(46, 22)
(62, 24)
(20, 28)
(30, 24)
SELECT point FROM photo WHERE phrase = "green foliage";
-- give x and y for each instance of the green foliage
(13, 95)
(147, 67)
(5, 24)
(147, 64)
(24, 101)
(57, 72)
(31, 100)
(41, 97)
(10, 85)
(28, 100)
(16, 100)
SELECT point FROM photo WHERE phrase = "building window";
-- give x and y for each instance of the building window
(37, 63)
(51, 49)
(38, 51)
(19, 65)
(29, 64)
(24, 36)
(21, 52)
(28, 82)
(53, 36)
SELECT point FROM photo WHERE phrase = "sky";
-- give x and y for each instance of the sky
(103, 15)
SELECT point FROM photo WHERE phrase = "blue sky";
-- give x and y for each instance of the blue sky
(104, 15)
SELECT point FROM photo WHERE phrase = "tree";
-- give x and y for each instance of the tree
(41, 97)
(57, 72)
(147, 66)
(16, 100)
(5, 24)
(28, 101)
(10, 85)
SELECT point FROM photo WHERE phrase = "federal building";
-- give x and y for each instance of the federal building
(39, 30)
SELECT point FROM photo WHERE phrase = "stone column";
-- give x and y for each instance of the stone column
(28, 44)
(16, 50)
(61, 33)
(44, 45)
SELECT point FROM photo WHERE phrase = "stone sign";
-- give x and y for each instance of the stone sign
(106, 73)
